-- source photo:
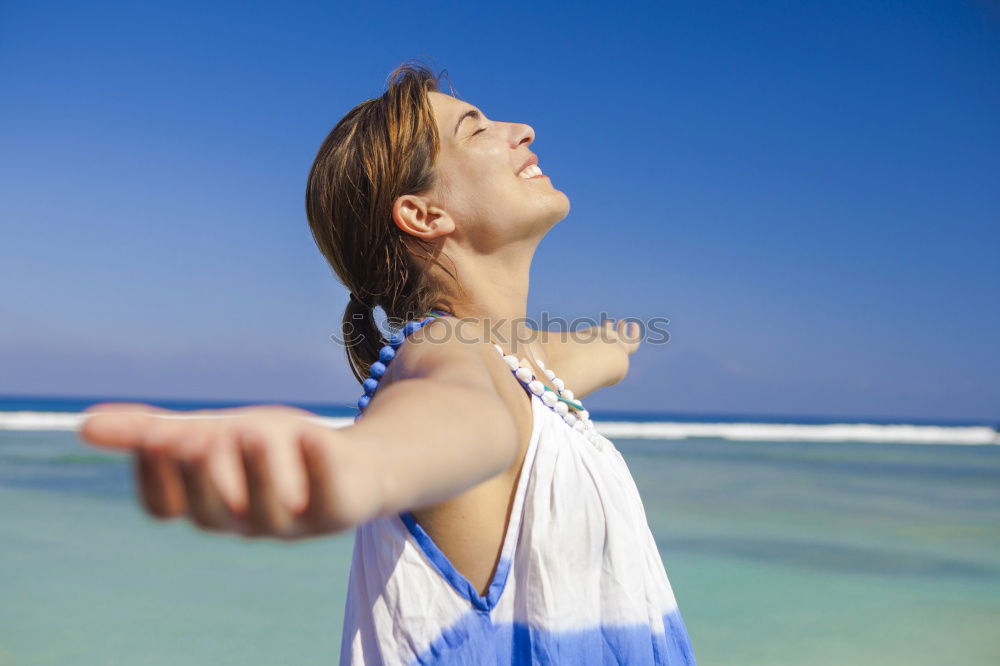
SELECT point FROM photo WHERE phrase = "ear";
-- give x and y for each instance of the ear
(415, 216)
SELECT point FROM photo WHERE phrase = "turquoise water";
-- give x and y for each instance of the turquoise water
(779, 553)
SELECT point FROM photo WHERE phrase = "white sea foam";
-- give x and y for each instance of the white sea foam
(747, 432)
(793, 432)
(39, 421)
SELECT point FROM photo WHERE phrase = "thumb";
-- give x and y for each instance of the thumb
(117, 425)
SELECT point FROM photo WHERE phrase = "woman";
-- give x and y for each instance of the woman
(493, 524)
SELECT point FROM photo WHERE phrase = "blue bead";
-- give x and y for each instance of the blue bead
(410, 327)
(396, 340)
(370, 385)
(363, 401)
(377, 369)
(386, 354)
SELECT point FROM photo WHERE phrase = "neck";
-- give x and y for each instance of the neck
(495, 299)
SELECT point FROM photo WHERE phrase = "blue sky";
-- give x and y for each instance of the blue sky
(808, 191)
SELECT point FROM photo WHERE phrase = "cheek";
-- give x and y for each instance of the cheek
(484, 189)
(481, 186)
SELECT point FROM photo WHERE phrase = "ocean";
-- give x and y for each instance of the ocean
(787, 541)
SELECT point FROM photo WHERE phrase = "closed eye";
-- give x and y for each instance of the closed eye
(478, 131)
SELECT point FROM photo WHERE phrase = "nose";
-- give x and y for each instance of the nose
(523, 133)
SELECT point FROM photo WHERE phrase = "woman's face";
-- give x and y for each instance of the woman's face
(478, 183)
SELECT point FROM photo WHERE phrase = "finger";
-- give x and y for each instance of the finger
(204, 501)
(163, 489)
(229, 478)
(628, 329)
(265, 514)
(119, 427)
(321, 513)
(160, 489)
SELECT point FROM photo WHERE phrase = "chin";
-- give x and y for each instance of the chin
(545, 215)
(561, 210)
(556, 215)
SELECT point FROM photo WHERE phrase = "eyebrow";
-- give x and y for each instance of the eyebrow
(471, 113)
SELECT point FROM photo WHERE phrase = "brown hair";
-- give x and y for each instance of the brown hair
(382, 149)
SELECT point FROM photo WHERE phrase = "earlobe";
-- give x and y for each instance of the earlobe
(414, 216)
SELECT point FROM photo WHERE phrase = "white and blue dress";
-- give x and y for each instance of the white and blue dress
(580, 580)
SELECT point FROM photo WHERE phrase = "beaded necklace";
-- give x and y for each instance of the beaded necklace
(560, 400)
(387, 353)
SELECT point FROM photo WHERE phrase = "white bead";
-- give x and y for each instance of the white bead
(540, 364)
(569, 419)
(499, 349)
(524, 363)
(579, 427)
(549, 398)
(524, 374)
(536, 387)
(584, 414)
(566, 393)
(561, 408)
(550, 374)
(511, 361)
(558, 383)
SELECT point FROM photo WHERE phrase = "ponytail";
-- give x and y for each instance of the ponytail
(362, 337)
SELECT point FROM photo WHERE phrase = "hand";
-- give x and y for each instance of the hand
(627, 333)
(256, 471)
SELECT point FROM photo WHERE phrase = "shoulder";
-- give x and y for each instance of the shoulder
(447, 350)
(444, 349)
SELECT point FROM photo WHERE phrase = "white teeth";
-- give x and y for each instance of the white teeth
(530, 171)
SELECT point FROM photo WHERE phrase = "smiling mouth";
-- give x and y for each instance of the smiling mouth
(531, 171)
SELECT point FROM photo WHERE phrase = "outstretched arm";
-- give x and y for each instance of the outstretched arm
(439, 428)
(592, 358)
